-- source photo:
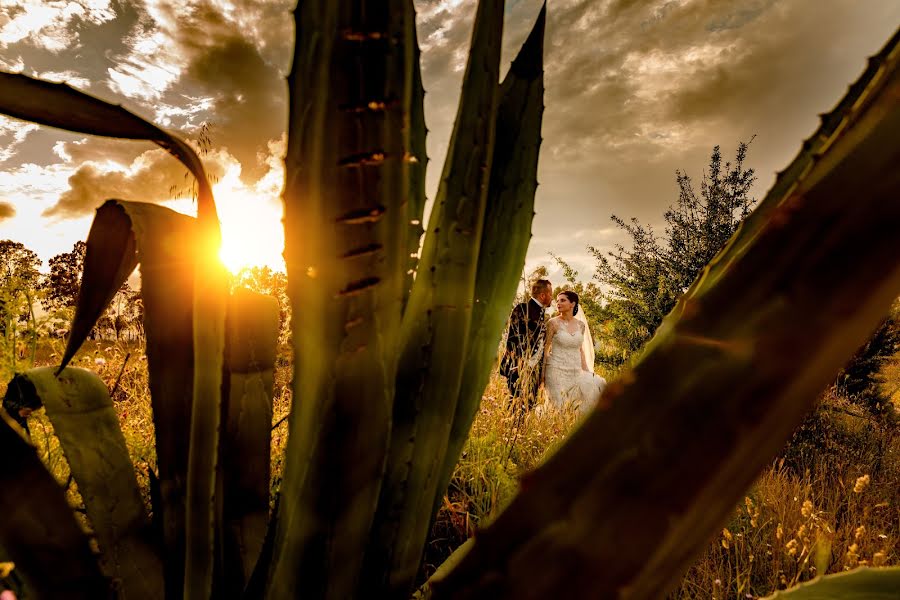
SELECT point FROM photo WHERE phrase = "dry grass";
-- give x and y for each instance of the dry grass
(830, 503)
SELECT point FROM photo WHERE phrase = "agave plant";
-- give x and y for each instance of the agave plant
(390, 367)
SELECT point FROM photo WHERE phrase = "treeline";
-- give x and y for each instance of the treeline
(32, 303)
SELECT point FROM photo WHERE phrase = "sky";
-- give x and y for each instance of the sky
(635, 89)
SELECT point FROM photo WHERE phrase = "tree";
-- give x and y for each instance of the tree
(860, 379)
(646, 279)
(18, 279)
(697, 228)
(62, 283)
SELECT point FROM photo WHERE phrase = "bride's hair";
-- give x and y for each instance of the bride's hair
(573, 298)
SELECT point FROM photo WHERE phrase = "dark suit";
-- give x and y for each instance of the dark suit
(523, 339)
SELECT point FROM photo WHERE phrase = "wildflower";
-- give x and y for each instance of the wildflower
(806, 509)
(726, 538)
(718, 582)
(99, 361)
(801, 533)
(861, 484)
(860, 531)
(852, 554)
(791, 547)
(779, 533)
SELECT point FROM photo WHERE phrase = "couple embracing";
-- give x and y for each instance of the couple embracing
(558, 353)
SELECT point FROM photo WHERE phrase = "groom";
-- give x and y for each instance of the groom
(522, 362)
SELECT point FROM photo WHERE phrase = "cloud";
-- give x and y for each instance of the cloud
(13, 134)
(154, 176)
(214, 62)
(52, 26)
(7, 210)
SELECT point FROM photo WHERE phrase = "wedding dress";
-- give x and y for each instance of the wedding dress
(568, 385)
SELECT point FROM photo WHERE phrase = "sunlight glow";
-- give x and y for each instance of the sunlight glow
(252, 233)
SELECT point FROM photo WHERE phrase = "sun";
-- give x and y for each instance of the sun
(252, 232)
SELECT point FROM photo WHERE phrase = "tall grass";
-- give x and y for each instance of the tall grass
(830, 502)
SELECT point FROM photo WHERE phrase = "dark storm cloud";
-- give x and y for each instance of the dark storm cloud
(153, 177)
(7, 210)
(636, 89)
(236, 62)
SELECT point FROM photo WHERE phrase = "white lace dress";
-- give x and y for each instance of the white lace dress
(567, 384)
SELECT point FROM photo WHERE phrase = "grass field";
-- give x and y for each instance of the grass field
(829, 502)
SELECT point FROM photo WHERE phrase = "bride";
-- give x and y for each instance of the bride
(569, 358)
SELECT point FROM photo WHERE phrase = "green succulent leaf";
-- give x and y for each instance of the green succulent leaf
(78, 405)
(436, 322)
(346, 218)
(417, 165)
(724, 382)
(167, 246)
(58, 105)
(860, 584)
(39, 531)
(507, 231)
(250, 344)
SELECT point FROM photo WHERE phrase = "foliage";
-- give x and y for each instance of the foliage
(838, 433)
(644, 281)
(859, 379)
(18, 278)
(64, 279)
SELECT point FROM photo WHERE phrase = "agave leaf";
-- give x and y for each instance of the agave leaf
(123, 234)
(417, 167)
(507, 227)
(436, 321)
(346, 229)
(859, 584)
(203, 510)
(78, 405)
(726, 379)
(250, 344)
(58, 105)
(39, 531)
